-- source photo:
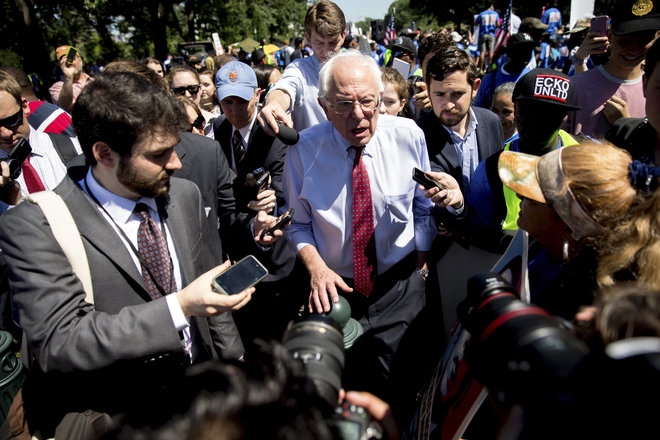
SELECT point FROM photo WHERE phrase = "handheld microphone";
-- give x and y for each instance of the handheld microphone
(287, 135)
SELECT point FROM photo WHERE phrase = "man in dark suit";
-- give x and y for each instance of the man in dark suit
(136, 336)
(250, 150)
(458, 135)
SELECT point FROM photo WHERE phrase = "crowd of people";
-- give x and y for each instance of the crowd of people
(162, 174)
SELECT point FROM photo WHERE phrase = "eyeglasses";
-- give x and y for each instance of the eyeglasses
(182, 90)
(343, 107)
(14, 120)
(198, 123)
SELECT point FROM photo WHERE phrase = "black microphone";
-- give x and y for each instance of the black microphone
(287, 135)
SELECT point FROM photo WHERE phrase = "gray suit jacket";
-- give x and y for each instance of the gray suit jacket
(96, 357)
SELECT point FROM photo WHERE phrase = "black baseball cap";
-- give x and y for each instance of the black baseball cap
(546, 85)
(520, 38)
(635, 16)
(403, 44)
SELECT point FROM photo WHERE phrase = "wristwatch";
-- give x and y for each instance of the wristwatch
(424, 273)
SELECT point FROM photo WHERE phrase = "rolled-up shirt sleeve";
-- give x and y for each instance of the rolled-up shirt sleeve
(299, 232)
(425, 228)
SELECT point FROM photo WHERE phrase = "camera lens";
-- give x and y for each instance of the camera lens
(514, 343)
(318, 342)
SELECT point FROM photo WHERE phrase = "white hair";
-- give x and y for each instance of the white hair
(356, 58)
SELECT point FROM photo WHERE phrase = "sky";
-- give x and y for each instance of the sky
(356, 10)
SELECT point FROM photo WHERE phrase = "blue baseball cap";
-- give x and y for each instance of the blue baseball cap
(236, 79)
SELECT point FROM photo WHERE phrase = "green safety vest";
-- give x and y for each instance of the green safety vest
(511, 198)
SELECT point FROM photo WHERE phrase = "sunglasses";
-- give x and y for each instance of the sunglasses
(14, 120)
(182, 90)
(199, 123)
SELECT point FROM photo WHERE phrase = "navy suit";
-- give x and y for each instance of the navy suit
(442, 152)
(278, 297)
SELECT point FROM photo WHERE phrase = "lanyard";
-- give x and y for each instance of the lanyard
(143, 263)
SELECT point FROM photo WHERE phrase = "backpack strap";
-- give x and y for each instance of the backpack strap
(64, 147)
(67, 235)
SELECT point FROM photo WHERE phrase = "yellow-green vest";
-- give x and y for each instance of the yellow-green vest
(511, 199)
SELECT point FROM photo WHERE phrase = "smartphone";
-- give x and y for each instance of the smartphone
(262, 182)
(599, 25)
(241, 275)
(282, 221)
(420, 177)
(17, 156)
(71, 55)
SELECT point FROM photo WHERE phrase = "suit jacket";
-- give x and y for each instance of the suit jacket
(267, 152)
(204, 164)
(442, 153)
(105, 356)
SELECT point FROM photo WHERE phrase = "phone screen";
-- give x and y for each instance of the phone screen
(599, 25)
(246, 273)
(71, 55)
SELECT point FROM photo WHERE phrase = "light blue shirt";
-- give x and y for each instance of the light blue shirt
(300, 80)
(467, 149)
(318, 185)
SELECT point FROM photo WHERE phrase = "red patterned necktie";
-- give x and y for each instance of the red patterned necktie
(31, 178)
(152, 248)
(239, 150)
(364, 245)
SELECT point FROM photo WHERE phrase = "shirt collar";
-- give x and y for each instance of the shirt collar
(472, 126)
(119, 208)
(245, 131)
(343, 145)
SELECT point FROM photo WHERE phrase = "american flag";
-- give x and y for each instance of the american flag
(503, 33)
(390, 31)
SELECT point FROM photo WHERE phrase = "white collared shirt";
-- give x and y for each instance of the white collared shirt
(318, 185)
(300, 80)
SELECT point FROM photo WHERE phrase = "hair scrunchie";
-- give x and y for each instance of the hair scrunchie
(643, 177)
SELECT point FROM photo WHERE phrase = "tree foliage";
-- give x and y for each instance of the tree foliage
(104, 30)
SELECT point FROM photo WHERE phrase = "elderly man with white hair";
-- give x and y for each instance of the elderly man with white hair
(361, 225)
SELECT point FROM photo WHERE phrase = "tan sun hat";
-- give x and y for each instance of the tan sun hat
(542, 179)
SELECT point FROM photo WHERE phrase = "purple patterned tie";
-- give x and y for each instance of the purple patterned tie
(364, 246)
(152, 248)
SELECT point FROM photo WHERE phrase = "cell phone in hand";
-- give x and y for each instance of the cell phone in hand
(282, 221)
(420, 177)
(262, 182)
(71, 55)
(17, 156)
(599, 25)
(240, 276)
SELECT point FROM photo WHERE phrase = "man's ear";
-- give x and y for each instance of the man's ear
(26, 107)
(104, 155)
(475, 87)
(324, 106)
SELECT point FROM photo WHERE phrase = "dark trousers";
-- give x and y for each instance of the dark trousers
(387, 316)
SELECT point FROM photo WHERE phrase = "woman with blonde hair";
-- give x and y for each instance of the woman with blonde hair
(395, 100)
(595, 212)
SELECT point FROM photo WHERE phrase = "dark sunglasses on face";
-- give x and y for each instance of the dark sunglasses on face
(14, 120)
(198, 123)
(182, 90)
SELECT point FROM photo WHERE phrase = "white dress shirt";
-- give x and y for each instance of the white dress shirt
(300, 80)
(45, 160)
(318, 185)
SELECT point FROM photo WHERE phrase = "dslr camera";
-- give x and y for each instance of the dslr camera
(317, 342)
(566, 388)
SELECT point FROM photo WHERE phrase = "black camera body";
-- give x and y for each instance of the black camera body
(529, 358)
(318, 342)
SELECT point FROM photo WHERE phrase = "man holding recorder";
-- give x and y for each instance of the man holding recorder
(148, 248)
